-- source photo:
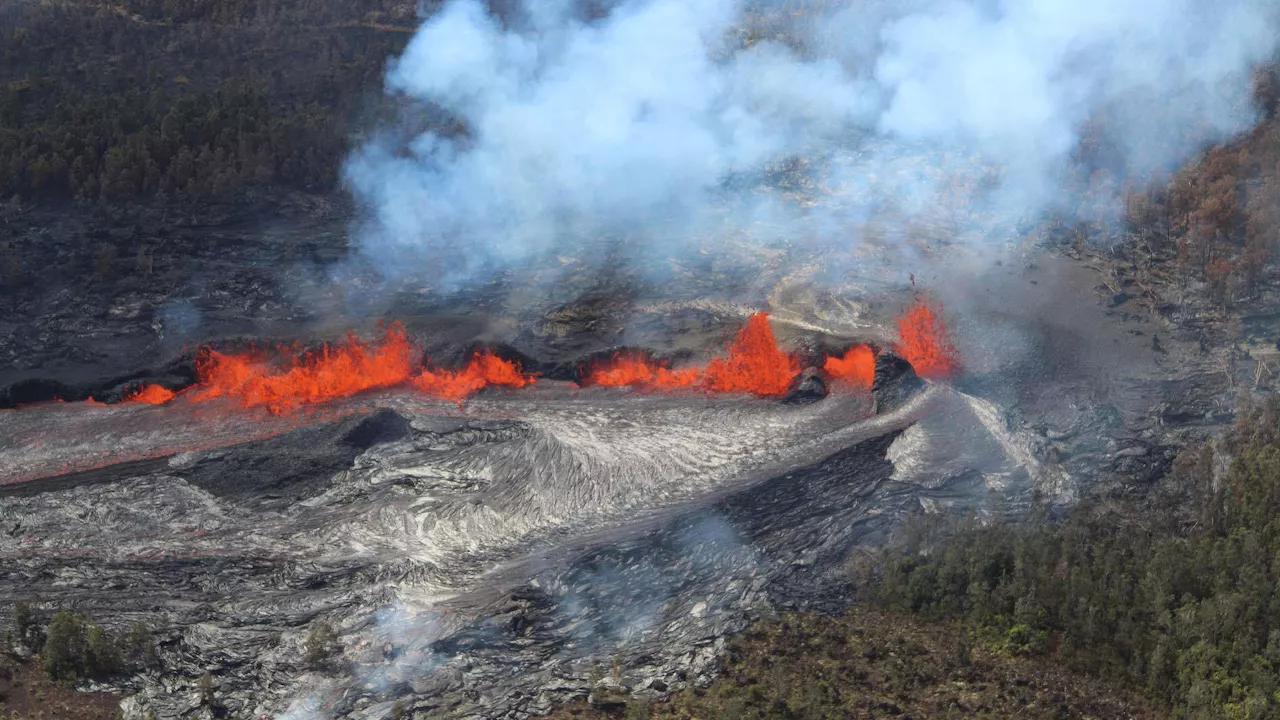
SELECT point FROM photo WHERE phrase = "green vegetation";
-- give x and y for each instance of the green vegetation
(28, 631)
(1182, 600)
(72, 648)
(151, 99)
(140, 647)
(76, 648)
(1174, 596)
(321, 645)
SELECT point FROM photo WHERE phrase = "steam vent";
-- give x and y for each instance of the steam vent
(639, 360)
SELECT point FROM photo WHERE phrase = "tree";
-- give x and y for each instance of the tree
(102, 654)
(28, 630)
(1217, 273)
(66, 647)
(140, 647)
(208, 688)
(75, 648)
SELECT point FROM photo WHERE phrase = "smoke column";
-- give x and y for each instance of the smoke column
(652, 121)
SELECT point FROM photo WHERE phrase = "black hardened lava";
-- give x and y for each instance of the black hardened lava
(176, 374)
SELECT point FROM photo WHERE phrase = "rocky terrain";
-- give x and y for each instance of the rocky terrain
(483, 560)
(177, 182)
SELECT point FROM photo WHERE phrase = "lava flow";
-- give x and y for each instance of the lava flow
(151, 395)
(925, 342)
(334, 372)
(482, 370)
(755, 364)
(633, 368)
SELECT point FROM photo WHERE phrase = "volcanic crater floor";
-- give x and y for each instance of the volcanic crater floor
(474, 558)
(481, 559)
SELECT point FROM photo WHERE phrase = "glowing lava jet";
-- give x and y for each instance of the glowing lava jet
(857, 366)
(252, 380)
(753, 364)
(925, 342)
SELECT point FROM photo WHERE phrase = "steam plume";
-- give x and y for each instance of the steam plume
(647, 120)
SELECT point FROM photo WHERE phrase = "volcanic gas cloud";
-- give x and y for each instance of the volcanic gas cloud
(752, 364)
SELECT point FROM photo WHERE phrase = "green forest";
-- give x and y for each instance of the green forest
(1177, 593)
(161, 102)
(181, 101)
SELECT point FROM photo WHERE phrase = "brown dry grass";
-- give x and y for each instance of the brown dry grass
(871, 664)
(27, 693)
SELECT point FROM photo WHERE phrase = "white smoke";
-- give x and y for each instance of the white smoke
(636, 124)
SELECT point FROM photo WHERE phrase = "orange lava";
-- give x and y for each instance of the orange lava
(755, 364)
(856, 367)
(150, 394)
(482, 370)
(925, 342)
(334, 372)
(631, 368)
(337, 372)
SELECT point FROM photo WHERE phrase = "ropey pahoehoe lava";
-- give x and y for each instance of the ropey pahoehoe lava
(494, 546)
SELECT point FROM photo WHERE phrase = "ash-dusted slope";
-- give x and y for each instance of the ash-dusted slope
(475, 560)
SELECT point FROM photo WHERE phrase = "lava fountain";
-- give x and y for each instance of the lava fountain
(925, 342)
(754, 364)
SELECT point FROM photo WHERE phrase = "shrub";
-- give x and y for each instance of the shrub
(321, 644)
(27, 628)
(66, 646)
(1185, 606)
(140, 647)
(103, 657)
(74, 648)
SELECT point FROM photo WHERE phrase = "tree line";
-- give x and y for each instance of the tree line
(1220, 215)
(1178, 592)
(71, 647)
(99, 104)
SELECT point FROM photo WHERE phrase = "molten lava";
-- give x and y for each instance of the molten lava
(755, 364)
(342, 371)
(334, 372)
(482, 370)
(856, 367)
(925, 342)
(149, 394)
(630, 368)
